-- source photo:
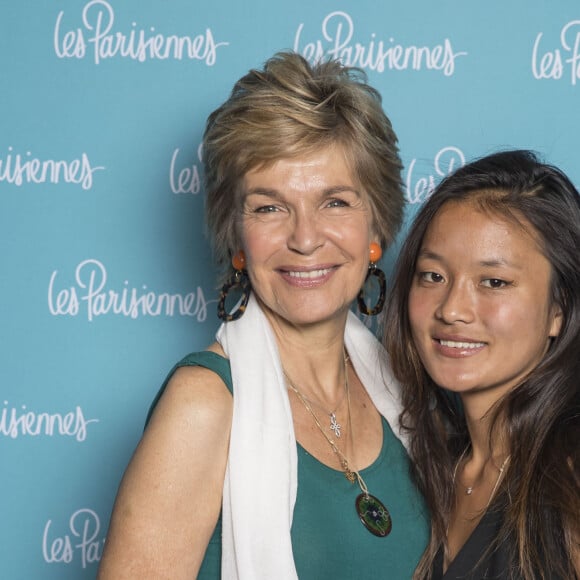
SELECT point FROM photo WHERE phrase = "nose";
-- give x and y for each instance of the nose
(457, 304)
(305, 235)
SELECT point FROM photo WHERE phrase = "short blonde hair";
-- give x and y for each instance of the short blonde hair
(291, 108)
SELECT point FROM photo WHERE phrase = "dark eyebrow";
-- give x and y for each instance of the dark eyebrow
(491, 263)
(499, 262)
(430, 255)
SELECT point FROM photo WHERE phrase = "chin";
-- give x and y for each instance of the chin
(455, 385)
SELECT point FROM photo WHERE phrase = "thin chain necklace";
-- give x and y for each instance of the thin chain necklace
(349, 474)
(371, 511)
(335, 426)
(469, 489)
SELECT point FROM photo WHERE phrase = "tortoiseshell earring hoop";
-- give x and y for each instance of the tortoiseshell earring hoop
(375, 254)
(239, 279)
(378, 307)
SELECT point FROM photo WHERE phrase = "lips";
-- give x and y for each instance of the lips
(309, 275)
(304, 277)
(461, 344)
(458, 347)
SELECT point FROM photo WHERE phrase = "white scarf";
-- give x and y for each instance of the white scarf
(261, 477)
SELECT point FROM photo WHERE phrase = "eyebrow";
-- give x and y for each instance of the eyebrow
(262, 191)
(430, 255)
(329, 191)
(498, 262)
(491, 263)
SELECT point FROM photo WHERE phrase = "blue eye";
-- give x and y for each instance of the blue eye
(266, 209)
(337, 203)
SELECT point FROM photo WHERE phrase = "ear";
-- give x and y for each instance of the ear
(374, 237)
(557, 319)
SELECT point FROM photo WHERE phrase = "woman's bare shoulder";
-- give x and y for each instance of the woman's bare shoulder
(170, 496)
(194, 390)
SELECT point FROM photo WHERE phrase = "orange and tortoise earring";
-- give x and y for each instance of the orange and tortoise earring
(239, 279)
(375, 253)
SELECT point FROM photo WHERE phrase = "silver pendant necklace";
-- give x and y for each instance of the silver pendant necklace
(469, 488)
(334, 426)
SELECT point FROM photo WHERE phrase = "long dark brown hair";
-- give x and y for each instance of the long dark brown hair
(540, 491)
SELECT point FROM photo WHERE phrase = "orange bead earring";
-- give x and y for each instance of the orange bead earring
(239, 260)
(375, 254)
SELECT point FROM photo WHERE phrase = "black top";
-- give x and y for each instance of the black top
(474, 561)
(464, 565)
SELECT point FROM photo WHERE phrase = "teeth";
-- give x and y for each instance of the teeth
(453, 344)
(311, 274)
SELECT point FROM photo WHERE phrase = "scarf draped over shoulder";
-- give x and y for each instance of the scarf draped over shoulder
(261, 476)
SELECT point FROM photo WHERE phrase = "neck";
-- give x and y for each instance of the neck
(488, 438)
(313, 356)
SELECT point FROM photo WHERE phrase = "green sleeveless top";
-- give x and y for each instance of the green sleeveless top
(328, 540)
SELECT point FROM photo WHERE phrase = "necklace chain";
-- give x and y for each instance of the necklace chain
(469, 489)
(335, 426)
(372, 513)
(351, 474)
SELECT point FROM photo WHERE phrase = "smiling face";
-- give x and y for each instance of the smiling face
(306, 230)
(479, 306)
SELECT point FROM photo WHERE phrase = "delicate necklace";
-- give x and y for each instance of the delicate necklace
(335, 426)
(371, 511)
(469, 489)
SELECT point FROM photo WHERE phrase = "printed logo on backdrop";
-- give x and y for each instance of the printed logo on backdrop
(185, 179)
(93, 33)
(19, 169)
(337, 41)
(419, 185)
(21, 422)
(91, 296)
(558, 61)
(79, 541)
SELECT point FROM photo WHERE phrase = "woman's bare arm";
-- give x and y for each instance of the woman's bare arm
(170, 496)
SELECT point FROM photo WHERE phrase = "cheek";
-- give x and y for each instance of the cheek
(418, 310)
(257, 242)
(509, 318)
(353, 236)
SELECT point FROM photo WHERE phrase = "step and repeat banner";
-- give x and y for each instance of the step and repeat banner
(106, 276)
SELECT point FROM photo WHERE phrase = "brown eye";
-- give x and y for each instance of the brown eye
(494, 283)
(431, 277)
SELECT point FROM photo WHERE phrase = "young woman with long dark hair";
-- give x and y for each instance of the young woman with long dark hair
(483, 330)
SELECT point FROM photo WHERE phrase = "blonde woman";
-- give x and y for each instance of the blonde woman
(277, 453)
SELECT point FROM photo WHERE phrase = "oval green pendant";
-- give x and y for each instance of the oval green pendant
(374, 516)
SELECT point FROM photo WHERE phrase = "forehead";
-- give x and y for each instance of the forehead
(327, 167)
(467, 231)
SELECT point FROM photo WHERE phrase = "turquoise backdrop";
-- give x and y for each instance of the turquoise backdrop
(106, 277)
